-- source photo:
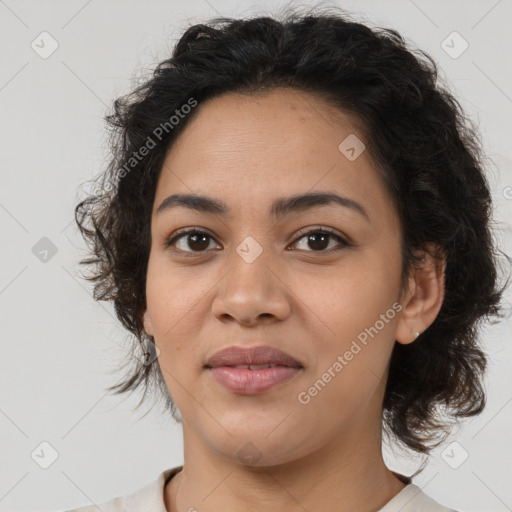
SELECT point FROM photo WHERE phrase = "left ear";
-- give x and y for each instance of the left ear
(148, 326)
(423, 298)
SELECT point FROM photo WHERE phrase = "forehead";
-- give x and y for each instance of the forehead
(280, 121)
(254, 148)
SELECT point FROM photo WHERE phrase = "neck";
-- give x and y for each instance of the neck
(335, 478)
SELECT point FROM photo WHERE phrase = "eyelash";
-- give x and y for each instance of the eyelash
(302, 234)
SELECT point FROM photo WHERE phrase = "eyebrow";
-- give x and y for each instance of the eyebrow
(280, 207)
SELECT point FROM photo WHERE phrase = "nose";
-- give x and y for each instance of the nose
(251, 292)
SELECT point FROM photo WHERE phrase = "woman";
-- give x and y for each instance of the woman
(295, 226)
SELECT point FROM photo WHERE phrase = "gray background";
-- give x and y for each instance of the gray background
(59, 348)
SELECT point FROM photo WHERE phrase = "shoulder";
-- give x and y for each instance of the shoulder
(413, 499)
(149, 497)
(114, 505)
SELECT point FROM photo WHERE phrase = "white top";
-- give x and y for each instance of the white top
(151, 499)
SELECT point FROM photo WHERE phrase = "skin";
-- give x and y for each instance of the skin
(311, 301)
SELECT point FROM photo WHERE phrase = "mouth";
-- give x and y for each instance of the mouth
(256, 366)
(252, 370)
(262, 355)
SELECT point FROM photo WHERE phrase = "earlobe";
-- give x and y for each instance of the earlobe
(423, 300)
(148, 326)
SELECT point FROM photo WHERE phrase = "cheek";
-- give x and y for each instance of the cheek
(170, 295)
(351, 297)
(356, 314)
(177, 310)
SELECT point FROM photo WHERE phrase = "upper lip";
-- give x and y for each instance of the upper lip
(236, 355)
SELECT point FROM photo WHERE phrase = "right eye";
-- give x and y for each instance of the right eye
(193, 239)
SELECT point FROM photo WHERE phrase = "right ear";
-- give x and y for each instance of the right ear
(148, 326)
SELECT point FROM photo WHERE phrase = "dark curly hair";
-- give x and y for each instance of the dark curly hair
(428, 152)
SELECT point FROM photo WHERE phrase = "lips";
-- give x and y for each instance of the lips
(252, 358)
(252, 370)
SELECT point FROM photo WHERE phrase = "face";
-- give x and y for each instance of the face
(320, 282)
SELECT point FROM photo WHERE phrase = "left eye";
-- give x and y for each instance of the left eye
(318, 239)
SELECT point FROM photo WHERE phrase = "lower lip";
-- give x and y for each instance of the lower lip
(250, 382)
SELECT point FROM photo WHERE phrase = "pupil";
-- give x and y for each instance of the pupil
(320, 235)
(195, 237)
